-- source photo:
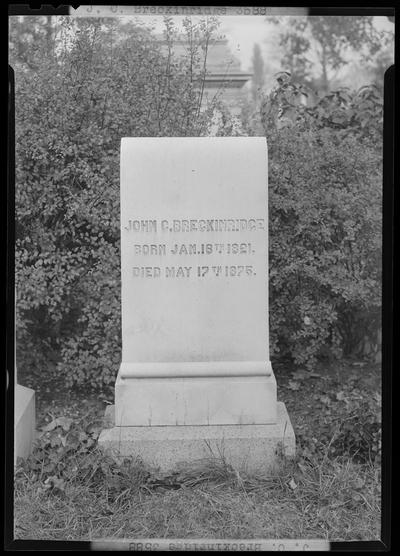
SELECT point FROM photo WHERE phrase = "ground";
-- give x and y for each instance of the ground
(331, 490)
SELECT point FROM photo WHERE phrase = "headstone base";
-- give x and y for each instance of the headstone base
(228, 400)
(24, 421)
(245, 447)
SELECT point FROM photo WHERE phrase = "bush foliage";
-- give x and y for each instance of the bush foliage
(82, 86)
(78, 92)
(325, 186)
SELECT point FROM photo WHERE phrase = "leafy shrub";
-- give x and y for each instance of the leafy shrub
(359, 113)
(82, 86)
(67, 454)
(351, 427)
(361, 434)
(324, 223)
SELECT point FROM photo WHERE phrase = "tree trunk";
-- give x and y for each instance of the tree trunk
(324, 77)
(49, 33)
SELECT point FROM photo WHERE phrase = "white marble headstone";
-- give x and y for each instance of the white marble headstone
(194, 269)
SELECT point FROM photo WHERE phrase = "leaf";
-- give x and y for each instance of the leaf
(359, 483)
(300, 374)
(83, 436)
(95, 429)
(64, 422)
(55, 482)
(302, 467)
(377, 397)
(293, 385)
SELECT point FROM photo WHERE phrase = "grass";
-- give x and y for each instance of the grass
(333, 499)
(69, 490)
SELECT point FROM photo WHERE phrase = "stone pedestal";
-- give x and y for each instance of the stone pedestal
(209, 400)
(194, 268)
(246, 447)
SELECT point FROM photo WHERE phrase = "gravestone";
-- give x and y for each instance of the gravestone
(195, 372)
(24, 421)
(24, 415)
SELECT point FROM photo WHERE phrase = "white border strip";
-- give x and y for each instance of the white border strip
(121, 11)
(237, 545)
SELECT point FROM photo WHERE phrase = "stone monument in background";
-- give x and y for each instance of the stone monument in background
(223, 78)
(195, 375)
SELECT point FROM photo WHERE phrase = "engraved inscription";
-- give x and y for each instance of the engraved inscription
(210, 248)
(146, 271)
(178, 272)
(197, 225)
(141, 226)
(225, 270)
(242, 252)
(151, 249)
